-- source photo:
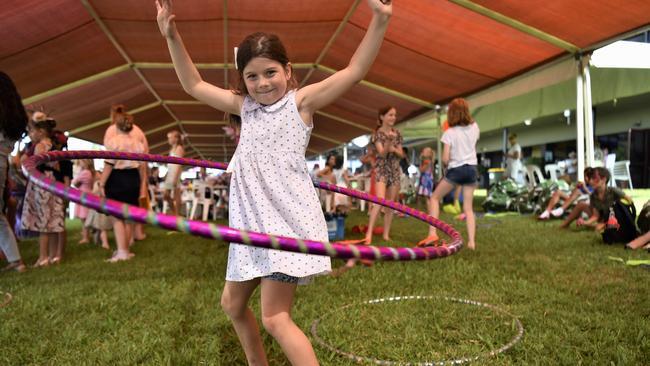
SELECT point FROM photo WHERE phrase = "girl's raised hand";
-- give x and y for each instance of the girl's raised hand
(165, 18)
(381, 7)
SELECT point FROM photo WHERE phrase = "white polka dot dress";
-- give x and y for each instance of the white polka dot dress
(271, 192)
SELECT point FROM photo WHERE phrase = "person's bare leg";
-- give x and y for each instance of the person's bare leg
(139, 232)
(103, 235)
(53, 246)
(130, 230)
(391, 194)
(43, 252)
(121, 238)
(277, 300)
(167, 196)
(380, 190)
(457, 199)
(468, 209)
(442, 189)
(639, 242)
(557, 195)
(575, 213)
(84, 234)
(568, 201)
(177, 201)
(234, 302)
(62, 239)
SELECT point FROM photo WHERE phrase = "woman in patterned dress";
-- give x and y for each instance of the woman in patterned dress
(387, 143)
(43, 211)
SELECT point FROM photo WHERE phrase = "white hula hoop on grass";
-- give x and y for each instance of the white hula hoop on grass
(363, 359)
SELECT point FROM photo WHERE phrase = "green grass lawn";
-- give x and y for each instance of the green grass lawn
(161, 308)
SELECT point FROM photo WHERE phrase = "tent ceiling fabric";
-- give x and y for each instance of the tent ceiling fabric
(74, 58)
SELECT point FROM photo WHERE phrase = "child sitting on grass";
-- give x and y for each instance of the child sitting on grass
(600, 201)
(581, 192)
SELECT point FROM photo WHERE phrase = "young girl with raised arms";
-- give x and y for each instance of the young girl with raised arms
(270, 188)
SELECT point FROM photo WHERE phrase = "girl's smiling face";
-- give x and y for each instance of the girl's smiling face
(266, 80)
(388, 119)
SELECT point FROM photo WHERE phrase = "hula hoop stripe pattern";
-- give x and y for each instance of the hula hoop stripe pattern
(362, 359)
(212, 231)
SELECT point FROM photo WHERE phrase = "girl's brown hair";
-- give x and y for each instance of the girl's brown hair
(458, 113)
(124, 122)
(380, 113)
(13, 119)
(47, 126)
(116, 111)
(261, 45)
(89, 164)
(120, 118)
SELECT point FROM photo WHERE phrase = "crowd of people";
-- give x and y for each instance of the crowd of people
(27, 210)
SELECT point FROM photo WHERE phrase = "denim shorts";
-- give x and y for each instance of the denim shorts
(464, 175)
(281, 277)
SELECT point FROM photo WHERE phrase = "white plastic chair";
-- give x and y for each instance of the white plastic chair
(610, 160)
(204, 196)
(621, 171)
(365, 184)
(534, 175)
(553, 171)
(562, 167)
(222, 203)
(153, 200)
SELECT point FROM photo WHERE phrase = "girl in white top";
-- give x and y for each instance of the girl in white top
(172, 192)
(459, 157)
(513, 160)
(270, 189)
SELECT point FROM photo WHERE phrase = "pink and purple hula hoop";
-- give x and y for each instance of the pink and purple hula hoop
(225, 233)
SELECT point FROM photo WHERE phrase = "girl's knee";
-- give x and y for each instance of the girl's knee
(275, 324)
(234, 308)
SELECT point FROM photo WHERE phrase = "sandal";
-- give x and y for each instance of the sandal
(430, 240)
(41, 263)
(17, 266)
(118, 258)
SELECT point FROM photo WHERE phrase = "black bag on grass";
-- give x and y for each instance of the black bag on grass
(643, 221)
(626, 230)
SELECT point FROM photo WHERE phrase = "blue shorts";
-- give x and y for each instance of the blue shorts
(464, 175)
(281, 277)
